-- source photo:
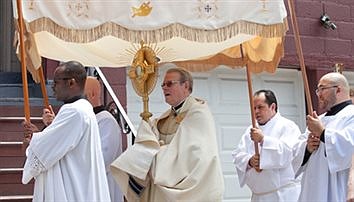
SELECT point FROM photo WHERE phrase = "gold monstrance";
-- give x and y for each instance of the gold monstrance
(143, 74)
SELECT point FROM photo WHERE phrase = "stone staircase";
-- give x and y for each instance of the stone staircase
(12, 153)
(12, 149)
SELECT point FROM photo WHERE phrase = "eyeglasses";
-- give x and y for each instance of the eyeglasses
(170, 83)
(55, 80)
(320, 89)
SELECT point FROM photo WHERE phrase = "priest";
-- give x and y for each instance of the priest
(175, 157)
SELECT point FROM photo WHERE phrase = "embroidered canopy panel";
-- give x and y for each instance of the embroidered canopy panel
(196, 34)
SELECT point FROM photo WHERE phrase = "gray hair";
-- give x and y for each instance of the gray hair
(185, 76)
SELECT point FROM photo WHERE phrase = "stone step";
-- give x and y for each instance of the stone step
(11, 183)
(12, 161)
(18, 111)
(11, 128)
(12, 150)
(16, 90)
(16, 198)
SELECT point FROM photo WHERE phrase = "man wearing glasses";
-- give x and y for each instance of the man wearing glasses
(325, 151)
(65, 159)
(174, 158)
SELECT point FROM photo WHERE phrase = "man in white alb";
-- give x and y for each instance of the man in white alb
(269, 175)
(325, 152)
(110, 133)
(65, 159)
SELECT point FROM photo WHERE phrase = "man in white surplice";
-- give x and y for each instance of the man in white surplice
(175, 158)
(110, 134)
(269, 175)
(325, 151)
(65, 159)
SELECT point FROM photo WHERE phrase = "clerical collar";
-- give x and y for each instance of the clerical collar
(336, 108)
(98, 109)
(73, 99)
(176, 108)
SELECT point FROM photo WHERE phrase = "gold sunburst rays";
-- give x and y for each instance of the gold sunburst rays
(162, 53)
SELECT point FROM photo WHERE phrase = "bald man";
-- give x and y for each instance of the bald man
(110, 133)
(325, 151)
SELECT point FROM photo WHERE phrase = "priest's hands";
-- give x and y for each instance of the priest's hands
(254, 162)
(314, 124)
(48, 115)
(29, 129)
(256, 135)
(313, 142)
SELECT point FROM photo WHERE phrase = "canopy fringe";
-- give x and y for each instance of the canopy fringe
(158, 35)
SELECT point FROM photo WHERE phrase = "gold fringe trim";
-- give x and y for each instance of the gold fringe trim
(163, 34)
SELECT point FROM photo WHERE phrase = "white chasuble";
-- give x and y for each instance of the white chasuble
(65, 159)
(276, 181)
(185, 169)
(327, 169)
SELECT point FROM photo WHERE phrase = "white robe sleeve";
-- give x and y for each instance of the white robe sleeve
(278, 152)
(33, 167)
(299, 153)
(49, 146)
(241, 157)
(340, 146)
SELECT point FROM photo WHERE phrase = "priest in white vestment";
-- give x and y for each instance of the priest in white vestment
(325, 152)
(110, 134)
(269, 175)
(65, 159)
(174, 158)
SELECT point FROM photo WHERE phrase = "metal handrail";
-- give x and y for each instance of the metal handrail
(10, 143)
(18, 118)
(115, 99)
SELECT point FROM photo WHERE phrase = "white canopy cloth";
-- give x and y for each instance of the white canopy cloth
(106, 33)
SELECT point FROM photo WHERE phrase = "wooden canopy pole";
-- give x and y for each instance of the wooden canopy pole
(43, 87)
(23, 62)
(250, 96)
(300, 55)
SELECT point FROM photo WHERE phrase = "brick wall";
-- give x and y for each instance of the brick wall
(323, 47)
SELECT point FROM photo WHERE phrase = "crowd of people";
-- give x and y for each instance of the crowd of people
(78, 155)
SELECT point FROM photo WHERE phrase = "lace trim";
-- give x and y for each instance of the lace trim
(34, 164)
